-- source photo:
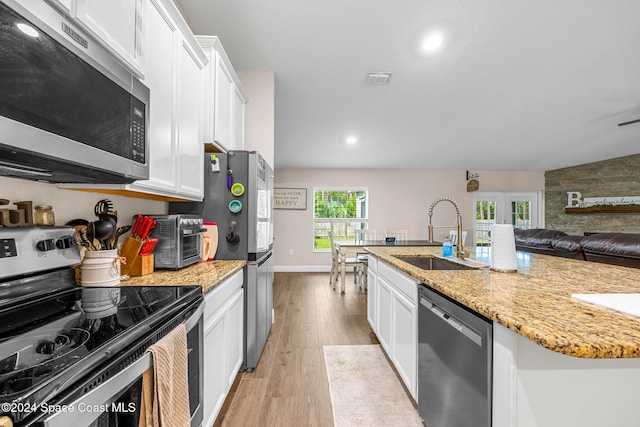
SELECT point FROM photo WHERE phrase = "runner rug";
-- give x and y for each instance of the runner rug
(365, 390)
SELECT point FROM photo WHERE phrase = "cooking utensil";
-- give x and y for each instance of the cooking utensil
(114, 225)
(103, 206)
(119, 232)
(103, 231)
(77, 223)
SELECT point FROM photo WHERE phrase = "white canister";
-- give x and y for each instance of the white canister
(100, 268)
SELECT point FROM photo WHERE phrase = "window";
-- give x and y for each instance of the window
(339, 210)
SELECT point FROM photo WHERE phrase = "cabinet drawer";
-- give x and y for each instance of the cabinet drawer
(403, 283)
(221, 293)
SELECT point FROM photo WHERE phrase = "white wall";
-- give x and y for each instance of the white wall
(259, 112)
(72, 204)
(397, 199)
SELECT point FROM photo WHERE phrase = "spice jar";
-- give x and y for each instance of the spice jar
(44, 215)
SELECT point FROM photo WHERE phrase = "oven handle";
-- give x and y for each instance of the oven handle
(194, 319)
(105, 393)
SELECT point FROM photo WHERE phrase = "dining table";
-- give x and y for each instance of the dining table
(344, 247)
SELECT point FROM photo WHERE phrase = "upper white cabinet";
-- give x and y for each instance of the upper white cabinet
(117, 24)
(174, 62)
(224, 98)
(238, 103)
(189, 118)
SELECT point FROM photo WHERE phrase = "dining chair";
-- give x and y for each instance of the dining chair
(398, 233)
(350, 261)
(453, 235)
(368, 234)
(363, 257)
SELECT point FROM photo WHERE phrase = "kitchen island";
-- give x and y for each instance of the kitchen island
(556, 360)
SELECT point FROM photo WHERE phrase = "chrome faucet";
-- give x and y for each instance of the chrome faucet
(459, 246)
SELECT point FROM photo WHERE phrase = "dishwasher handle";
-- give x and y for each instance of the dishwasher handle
(453, 321)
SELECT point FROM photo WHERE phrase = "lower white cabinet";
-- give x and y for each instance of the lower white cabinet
(393, 316)
(223, 343)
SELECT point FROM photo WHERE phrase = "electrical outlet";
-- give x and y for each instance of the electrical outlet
(290, 251)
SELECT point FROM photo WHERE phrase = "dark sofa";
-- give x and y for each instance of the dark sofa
(610, 248)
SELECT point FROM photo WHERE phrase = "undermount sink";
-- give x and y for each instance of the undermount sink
(430, 263)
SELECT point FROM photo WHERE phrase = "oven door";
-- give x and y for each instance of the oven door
(116, 401)
(191, 247)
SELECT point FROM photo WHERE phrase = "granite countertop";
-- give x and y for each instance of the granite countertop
(206, 274)
(536, 302)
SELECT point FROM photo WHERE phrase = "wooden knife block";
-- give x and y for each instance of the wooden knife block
(136, 264)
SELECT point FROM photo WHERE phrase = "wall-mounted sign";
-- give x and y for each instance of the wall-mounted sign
(473, 185)
(290, 198)
(575, 200)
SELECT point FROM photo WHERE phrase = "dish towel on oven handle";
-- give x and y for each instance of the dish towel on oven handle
(165, 390)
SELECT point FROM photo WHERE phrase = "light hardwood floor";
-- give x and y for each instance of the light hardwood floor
(289, 387)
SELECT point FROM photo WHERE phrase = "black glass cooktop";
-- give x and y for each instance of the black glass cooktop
(57, 335)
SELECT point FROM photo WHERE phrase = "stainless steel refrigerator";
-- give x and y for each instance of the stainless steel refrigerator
(239, 198)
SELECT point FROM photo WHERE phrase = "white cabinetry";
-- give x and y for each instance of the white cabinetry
(224, 98)
(174, 62)
(238, 102)
(189, 114)
(117, 24)
(372, 291)
(223, 343)
(395, 319)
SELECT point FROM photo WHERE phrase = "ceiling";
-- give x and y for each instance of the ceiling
(516, 84)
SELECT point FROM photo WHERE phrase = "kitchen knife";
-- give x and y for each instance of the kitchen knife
(148, 226)
(136, 226)
(148, 246)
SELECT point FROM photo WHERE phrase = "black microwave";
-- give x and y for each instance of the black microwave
(69, 111)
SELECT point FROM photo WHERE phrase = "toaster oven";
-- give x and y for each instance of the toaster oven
(179, 240)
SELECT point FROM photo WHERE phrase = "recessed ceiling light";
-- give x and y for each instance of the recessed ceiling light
(27, 29)
(432, 42)
(351, 139)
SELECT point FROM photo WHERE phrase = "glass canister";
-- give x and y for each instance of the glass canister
(44, 215)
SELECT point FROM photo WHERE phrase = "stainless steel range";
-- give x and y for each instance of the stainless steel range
(73, 355)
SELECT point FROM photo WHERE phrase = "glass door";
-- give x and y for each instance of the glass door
(508, 207)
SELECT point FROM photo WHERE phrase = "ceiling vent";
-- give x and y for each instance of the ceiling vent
(377, 79)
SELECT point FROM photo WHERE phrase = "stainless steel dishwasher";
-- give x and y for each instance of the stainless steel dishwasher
(454, 363)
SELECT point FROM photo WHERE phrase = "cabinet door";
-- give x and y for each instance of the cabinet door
(215, 375)
(404, 340)
(161, 47)
(238, 119)
(118, 24)
(235, 336)
(223, 108)
(190, 143)
(384, 314)
(372, 294)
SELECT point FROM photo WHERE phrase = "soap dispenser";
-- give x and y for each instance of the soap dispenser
(447, 247)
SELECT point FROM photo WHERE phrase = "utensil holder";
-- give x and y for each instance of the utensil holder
(100, 268)
(130, 251)
(142, 264)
